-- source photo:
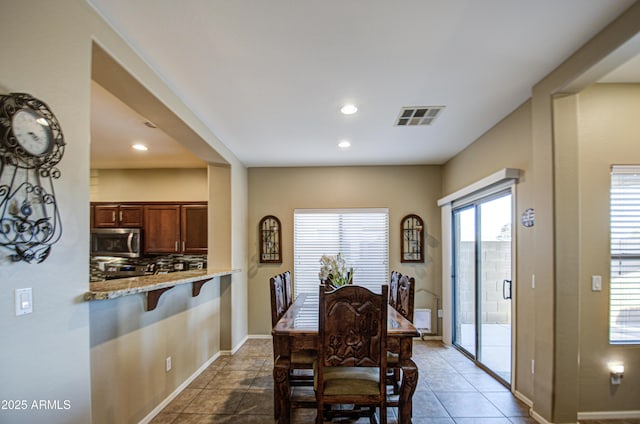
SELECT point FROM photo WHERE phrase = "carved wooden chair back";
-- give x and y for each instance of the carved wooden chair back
(406, 296)
(288, 288)
(278, 298)
(393, 288)
(352, 356)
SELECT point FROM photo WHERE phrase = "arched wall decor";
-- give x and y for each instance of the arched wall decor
(270, 240)
(412, 239)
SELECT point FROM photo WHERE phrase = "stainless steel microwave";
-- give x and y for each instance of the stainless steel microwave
(120, 242)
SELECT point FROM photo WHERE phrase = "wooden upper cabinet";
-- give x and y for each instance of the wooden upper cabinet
(130, 215)
(194, 230)
(162, 229)
(175, 228)
(114, 216)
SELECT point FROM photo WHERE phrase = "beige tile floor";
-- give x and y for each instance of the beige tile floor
(238, 389)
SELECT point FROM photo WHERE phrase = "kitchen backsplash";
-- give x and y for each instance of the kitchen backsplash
(160, 264)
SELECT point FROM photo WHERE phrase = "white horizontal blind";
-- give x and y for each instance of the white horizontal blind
(361, 235)
(624, 302)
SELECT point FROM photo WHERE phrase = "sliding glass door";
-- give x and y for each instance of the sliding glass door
(465, 279)
(482, 281)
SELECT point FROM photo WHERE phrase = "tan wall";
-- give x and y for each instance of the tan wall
(607, 134)
(138, 185)
(556, 238)
(507, 145)
(402, 189)
(592, 131)
(105, 357)
(45, 355)
(129, 347)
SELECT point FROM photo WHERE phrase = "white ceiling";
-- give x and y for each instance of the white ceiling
(115, 127)
(269, 77)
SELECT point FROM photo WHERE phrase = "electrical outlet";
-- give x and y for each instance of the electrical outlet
(167, 364)
(440, 313)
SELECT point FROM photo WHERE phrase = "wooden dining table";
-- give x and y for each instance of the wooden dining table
(297, 330)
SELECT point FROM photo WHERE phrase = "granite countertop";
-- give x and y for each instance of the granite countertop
(111, 289)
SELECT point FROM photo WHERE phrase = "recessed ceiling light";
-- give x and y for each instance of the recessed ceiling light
(349, 109)
(140, 147)
(344, 144)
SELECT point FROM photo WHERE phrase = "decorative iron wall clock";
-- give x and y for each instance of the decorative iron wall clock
(412, 242)
(270, 240)
(31, 145)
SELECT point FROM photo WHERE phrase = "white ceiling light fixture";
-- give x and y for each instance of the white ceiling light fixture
(349, 109)
(140, 147)
(344, 144)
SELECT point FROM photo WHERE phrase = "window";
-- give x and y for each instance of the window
(361, 235)
(624, 303)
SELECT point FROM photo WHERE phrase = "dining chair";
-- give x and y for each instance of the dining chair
(392, 378)
(301, 363)
(288, 288)
(406, 296)
(278, 298)
(393, 288)
(301, 360)
(405, 306)
(352, 356)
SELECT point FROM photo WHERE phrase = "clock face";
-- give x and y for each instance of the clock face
(32, 132)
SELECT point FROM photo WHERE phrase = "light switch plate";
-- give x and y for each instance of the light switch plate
(596, 283)
(24, 301)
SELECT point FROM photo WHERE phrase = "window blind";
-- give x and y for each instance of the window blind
(360, 235)
(624, 301)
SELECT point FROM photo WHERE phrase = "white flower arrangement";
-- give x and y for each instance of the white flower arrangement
(335, 268)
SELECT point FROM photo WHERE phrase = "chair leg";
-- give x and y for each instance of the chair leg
(320, 413)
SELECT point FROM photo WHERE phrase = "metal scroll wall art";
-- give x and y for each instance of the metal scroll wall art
(31, 145)
(270, 240)
(412, 243)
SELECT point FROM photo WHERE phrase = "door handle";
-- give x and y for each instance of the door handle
(130, 242)
(506, 289)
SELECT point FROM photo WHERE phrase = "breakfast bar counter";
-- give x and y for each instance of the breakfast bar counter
(152, 285)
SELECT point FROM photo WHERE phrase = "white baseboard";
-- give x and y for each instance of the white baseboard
(193, 376)
(239, 345)
(539, 418)
(151, 415)
(523, 398)
(260, 336)
(235, 348)
(608, 415)
(598, 415)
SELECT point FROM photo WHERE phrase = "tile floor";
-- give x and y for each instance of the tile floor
(238, 389)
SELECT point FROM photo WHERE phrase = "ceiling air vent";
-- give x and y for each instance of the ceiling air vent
(418, 115)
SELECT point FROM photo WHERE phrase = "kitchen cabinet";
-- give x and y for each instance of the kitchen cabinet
(116, 215)
(175, 228)
(193, 229)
